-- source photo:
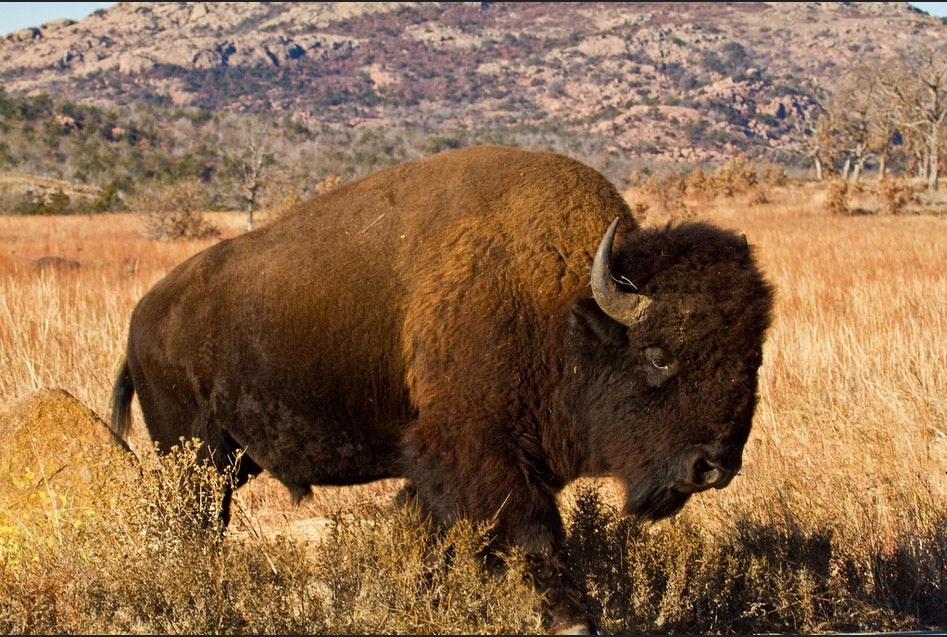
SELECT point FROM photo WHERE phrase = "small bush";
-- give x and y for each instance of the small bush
(736, 177)
(173, 212)
(181, 224)
(895, 194)
(639, 210)
(141, 559)
(758, 196)
(699, 183)
(387, 571)
(56, 203)
(331, 182)
(837, 197)
(773, 176)
(668, 190)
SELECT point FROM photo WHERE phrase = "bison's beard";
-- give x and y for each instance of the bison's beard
(654, 503)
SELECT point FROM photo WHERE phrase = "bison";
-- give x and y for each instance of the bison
(445, 321)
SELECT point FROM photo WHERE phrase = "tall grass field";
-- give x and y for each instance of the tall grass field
(837, 522)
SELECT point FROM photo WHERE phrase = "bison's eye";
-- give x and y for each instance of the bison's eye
(660, 366)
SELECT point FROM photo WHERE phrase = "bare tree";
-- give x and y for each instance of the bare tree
(847, 116)
(857, 123)
(251, 164)
(883, 127)
(916, 83)
(813, 136)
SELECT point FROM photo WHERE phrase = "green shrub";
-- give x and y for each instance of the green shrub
(55, 204)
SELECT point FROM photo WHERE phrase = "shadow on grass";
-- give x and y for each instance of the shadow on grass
(777, 576)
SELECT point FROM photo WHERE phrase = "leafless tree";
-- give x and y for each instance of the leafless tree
(857, 123)
(250, 165)
(847, 115)
(904, 97)
(916, 84)
(813, 136)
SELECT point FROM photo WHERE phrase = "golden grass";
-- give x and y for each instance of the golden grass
(838, 521)
(66, 327)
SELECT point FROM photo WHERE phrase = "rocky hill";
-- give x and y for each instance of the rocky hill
(691, 82)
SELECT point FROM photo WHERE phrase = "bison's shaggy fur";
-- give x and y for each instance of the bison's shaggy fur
(434, 321)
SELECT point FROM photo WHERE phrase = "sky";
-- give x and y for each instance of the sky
(20, 15)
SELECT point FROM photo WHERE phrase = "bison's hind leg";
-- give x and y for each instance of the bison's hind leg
(237, 471)
(213, 502)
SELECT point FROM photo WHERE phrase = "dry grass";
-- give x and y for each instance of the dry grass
(838, 522)
(66, 327)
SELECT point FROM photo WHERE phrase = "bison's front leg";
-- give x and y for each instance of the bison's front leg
(455, 475)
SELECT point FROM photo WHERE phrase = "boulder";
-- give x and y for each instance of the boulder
(56, 455)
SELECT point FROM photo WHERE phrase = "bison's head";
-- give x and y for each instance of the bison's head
(664, 361)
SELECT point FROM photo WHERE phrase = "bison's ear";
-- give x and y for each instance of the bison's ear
(588, 319)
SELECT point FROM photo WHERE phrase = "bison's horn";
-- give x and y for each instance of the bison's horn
(626, 308)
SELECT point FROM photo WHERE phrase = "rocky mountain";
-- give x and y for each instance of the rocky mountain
(692, 82)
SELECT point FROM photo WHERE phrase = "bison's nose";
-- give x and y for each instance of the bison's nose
(710, 466)
(707, 474)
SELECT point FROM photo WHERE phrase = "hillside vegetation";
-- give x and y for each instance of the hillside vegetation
(258, 103)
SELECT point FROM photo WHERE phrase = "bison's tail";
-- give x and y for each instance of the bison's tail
(122, 402)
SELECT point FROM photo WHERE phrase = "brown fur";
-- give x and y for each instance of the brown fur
(433, 321)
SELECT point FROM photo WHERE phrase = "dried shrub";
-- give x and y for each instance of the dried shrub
(331, 182)
(785, 573)
(838, 197)
(772, 176)
(140, 557)
(699, 183)
(639, 210)
(668, 190)
(180, 224)
(737, 176)
(758, 197)
(895, 194)
(174, 211)
(389, 571)
(680, 211)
